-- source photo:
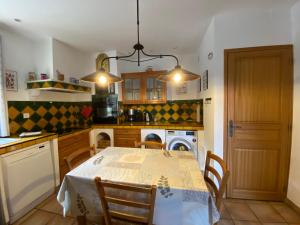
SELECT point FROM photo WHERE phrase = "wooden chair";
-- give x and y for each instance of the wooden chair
(121, 216)
(150, 144)
(217, 190)
(79, 156)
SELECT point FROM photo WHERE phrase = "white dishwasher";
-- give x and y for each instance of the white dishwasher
(28, 178)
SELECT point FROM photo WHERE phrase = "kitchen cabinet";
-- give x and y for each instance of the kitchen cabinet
(143, 88)
(68, 144)
(126, 137)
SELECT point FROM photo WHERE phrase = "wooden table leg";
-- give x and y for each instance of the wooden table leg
(81, 220)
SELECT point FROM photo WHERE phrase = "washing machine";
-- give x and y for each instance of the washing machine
(102, 138)
(182, 140)
(157, 135)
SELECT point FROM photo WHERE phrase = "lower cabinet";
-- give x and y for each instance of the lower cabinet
(69, 144)
(126, 137)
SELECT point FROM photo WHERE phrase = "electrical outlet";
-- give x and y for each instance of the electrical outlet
(25, 115)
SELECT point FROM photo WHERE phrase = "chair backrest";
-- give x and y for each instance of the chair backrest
(150, 144)
(79, 156)
(216, 189)
(147, 205)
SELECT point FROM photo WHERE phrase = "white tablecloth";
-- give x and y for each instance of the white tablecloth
(182, 197)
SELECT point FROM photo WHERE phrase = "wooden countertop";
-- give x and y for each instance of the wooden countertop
(154, 125)
(29, 141)
(25, 142)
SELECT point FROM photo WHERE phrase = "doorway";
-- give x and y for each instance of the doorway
(257, 123)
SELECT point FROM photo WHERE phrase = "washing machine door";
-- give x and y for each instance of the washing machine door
(180, 144)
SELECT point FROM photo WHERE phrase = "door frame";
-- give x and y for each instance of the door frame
(225, 118)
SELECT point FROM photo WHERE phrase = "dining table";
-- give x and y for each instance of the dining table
(182, 197)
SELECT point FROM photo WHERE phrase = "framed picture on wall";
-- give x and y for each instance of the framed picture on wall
(11, 80)
(205, 80)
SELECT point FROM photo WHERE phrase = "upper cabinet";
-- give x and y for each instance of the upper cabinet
(143, 88)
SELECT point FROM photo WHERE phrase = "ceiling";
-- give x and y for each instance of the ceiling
(97, 25)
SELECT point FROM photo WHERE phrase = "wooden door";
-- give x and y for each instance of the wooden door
(258, 116)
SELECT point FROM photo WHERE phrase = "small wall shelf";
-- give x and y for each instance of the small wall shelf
(57, 86)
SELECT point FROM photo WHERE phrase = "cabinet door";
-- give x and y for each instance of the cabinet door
(143, 88)
(132, 90)
(155, 90)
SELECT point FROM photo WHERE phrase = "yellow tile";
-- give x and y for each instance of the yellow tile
(184, 115)
(53, 121)
(46, 84)
(42, 123)
(13, 112)
(76, 109)
(13, 127)
(194, 106)
(149, 108)
(166, 108)
(63, 109)
(29, 124)
(28, 110)
(184, 106)
(53, 110)
(63, 120)
(194, 116)
(71, 109)
(157, 108)
(175, 116)
(58, 85)
(175, 107)
(167, 116)
(41, 111)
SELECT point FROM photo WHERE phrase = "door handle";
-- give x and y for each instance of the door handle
(231, 128)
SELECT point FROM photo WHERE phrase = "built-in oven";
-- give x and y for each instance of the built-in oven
(105, 108)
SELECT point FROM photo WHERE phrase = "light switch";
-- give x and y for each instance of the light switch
(26, 115)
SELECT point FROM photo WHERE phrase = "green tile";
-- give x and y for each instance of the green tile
(48, 116)
(35, 117)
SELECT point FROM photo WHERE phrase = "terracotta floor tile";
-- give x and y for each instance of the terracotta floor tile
(243, 222)
(287, 213)
(240, 211)
(224, 212)
(225, 222)
(38, 218)
(266, 213)
(275, 224)
(60, 220)
(234, 200)
(52, 205)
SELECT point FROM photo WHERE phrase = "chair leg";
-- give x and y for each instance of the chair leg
(81, 220)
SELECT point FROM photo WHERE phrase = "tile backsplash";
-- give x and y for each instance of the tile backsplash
(173, 111)
(53, 116)
(47, 116)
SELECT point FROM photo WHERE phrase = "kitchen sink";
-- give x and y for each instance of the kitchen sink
(4, 141)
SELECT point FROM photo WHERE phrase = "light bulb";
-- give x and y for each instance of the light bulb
(177, 77)
(102, 80)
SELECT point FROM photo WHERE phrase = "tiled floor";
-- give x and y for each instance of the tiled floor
(244, 212)
(234, 212)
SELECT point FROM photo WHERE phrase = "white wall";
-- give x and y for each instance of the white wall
(207, 45)
(187, 61)
(24, 55)
(17, 56)
(294, 179)
(241, 28)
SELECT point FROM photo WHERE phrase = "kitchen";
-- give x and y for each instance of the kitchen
(53, 95)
